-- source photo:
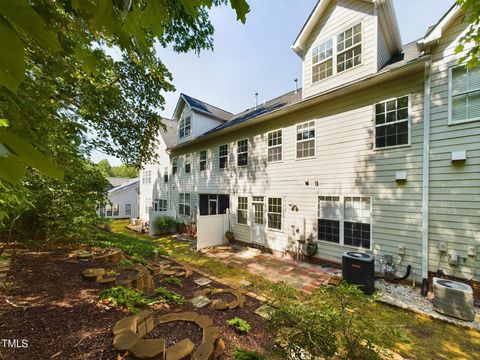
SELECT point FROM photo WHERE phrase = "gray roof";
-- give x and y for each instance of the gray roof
(129, 182)
(117, 181)
(169, 133)
(207, 109)
(411, 52)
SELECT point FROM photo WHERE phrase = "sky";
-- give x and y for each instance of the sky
(256, 57)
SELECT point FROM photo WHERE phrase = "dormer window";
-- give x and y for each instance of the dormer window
(185, 127)
(328, 60)
(349, 48)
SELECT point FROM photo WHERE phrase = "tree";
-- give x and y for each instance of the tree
(59, 47)
(105, 167)
(116, 171)
(472, 37)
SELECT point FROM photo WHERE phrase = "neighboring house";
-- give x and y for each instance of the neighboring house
(379, 151)
(117, 181)
(123, 200)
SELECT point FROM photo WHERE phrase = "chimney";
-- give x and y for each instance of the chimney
(256, 100)
(296, 85)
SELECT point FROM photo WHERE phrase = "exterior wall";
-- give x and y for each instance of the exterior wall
(345, 164)
(157, 188)
(202, 124)
(454, 188)
(383, 54)
(126, 196)
(338, 17)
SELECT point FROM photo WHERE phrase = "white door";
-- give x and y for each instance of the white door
(258, 220)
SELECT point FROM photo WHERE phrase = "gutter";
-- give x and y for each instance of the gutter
(426, 175)
(365, 82)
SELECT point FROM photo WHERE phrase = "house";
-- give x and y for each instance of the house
(378, 152)
(123, 200)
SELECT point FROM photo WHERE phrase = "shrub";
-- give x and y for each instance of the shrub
(125, 262)
(169, 296)
(173, 280)
(165, 224)
(242, 354)
(334, 322)
(240, 325)
(126, 297)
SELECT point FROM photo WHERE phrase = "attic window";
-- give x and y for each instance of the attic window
(322, 61)
(185, 127)
(349, 48)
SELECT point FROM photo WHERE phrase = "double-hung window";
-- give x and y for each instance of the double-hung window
(392, 122)
(184, 204)
(165, 175)
(464, 94)
(147, 176)
(188, 163)
(128, 209)
(349, 48)
(116, 209)
(160, 205)
(223, 156)
(242, 152)
(274, 215)
(148, 205)
(345, 220)
(274, 146)
(185, 127)
(109, 210)
(322, 61)
(174, 165)
(203, 160)
(102, 211)
(306, 140)
(242, 210)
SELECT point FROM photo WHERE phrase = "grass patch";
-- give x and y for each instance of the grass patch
(130, 299)
(451, 342)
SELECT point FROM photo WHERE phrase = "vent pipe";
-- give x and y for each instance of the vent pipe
(256, 100)
(296, 85)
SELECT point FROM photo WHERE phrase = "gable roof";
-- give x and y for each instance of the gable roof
(125, 185)
(117, 181)
(201, 107)
(388, 22)
(435, 32)
(169, 133)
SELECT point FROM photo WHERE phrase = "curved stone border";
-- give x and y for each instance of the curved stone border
(128, 334)
(170, 270)
(142, 280)
(110, 255)
(219, 304)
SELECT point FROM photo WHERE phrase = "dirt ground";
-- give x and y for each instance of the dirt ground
(49, 304)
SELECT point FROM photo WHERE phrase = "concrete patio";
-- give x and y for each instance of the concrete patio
(300, 275)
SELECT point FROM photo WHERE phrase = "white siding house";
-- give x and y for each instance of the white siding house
(123, 201)
(359, 158)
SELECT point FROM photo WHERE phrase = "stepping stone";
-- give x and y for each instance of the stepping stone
(264, 311)
(201, 301)
(245, 283)
(179, 350)
(202, 281)
(188, 316)
(148, 348)
(210, 334)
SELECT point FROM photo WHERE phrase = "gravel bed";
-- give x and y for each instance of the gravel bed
(410, 298)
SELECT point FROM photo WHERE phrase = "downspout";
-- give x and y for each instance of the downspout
(426, 176)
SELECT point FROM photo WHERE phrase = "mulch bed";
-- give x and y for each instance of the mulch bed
(59, 316)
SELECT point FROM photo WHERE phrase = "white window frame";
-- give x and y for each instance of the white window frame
(450, 98)
(409, 119)
(188, 162)
(305, 140)
(109, 210)
(242, 152)
(160, 205)
(334, 39)
(183, 126)
(182, 200)
(223, 156)
(102, 210)
(337, 53)
(128, 210)
(205, 151)
(267, 225)
(342, 220)
(174, 165)
(147, 176)
(148, 205)
(319, 62)
(275, 146)
(243, 210)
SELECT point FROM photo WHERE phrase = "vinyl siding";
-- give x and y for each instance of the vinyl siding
(338, 17)
(202, 124)
(383, 54)
(345, 164)
(454, 188)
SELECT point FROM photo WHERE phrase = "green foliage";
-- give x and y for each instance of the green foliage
(240, 325)
(131, 299)
(169, 296)
(242, 354)
(165, 224)
(117, 171)
(472, 37)
(125, 262)
(331, 323)
(173, 280)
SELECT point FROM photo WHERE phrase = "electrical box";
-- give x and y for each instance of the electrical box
(472, 251)
(401, 176)
(401, 250)
(442, 247)
(459, 156)
(453, 260)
